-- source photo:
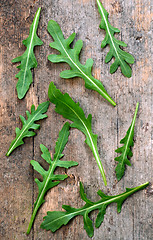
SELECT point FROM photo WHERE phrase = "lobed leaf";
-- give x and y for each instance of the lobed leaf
(49, 178)
(29, 125)
(72, 111)
(54, 220)
(28, 60)
(71, 57)
(125, 150)
(122, 58)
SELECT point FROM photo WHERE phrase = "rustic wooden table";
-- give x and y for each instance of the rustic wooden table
(18, 190)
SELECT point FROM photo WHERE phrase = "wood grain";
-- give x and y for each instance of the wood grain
(18, 190)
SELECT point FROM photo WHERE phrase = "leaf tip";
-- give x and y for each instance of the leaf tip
(81, 185)
(38, 11)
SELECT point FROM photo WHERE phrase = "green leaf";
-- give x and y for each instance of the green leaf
(72, 111)
(49, 178)
(28, 60)
(122, 58)
(54, 220)
(125, 151)
(88, 224)
(71, 57)
(29, 125)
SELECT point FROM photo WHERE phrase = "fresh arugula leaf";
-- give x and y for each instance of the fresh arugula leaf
(49, 178)
(122, 58)
(28, 60)
(71, 57)
(72, 111)
(54, 220)
(29, 125)
(126, 149)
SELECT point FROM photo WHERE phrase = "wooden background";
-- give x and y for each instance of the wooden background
(18, 190)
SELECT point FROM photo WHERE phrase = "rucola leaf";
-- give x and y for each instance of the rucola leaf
(29, 125)
(122, 58)
(28, 60)
(72, 111)
(49, 178)
(126, 149)
(54, 220)
(71, 57)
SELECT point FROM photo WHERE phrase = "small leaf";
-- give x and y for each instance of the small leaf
(29, 125)
(66, 164)
(122, 58)
(54, 220)
(28, 60)
(126, 149)
(100, 216)
(88, 225)
(59, 177)
(71, 57)
(38, 168)
(72, 111)
(46, 154)
(50, 180)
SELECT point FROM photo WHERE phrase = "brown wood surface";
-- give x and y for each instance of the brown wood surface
(18, 190)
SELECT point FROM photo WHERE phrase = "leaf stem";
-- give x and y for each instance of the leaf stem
(96, 155)
(135, 114)
(31, 221)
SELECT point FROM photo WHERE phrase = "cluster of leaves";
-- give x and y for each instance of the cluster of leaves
(71, 57)
(72, 111)
(51, 180)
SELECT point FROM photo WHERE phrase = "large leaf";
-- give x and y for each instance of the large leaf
(125, 151)
(71, 57)
(72, 111)
(29, 125)
(49, 178)
(54, 220)
(122, 58)
(28, 60)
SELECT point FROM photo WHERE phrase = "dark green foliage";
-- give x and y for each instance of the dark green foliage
(125, 151)
(29, 125)
(72, 111)
(122, 58)
(49, 178)
(56, 219)
(28, 60)
(71, 57)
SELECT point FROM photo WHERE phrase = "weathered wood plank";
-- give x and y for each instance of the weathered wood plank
(16, 176)
(18, 189)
